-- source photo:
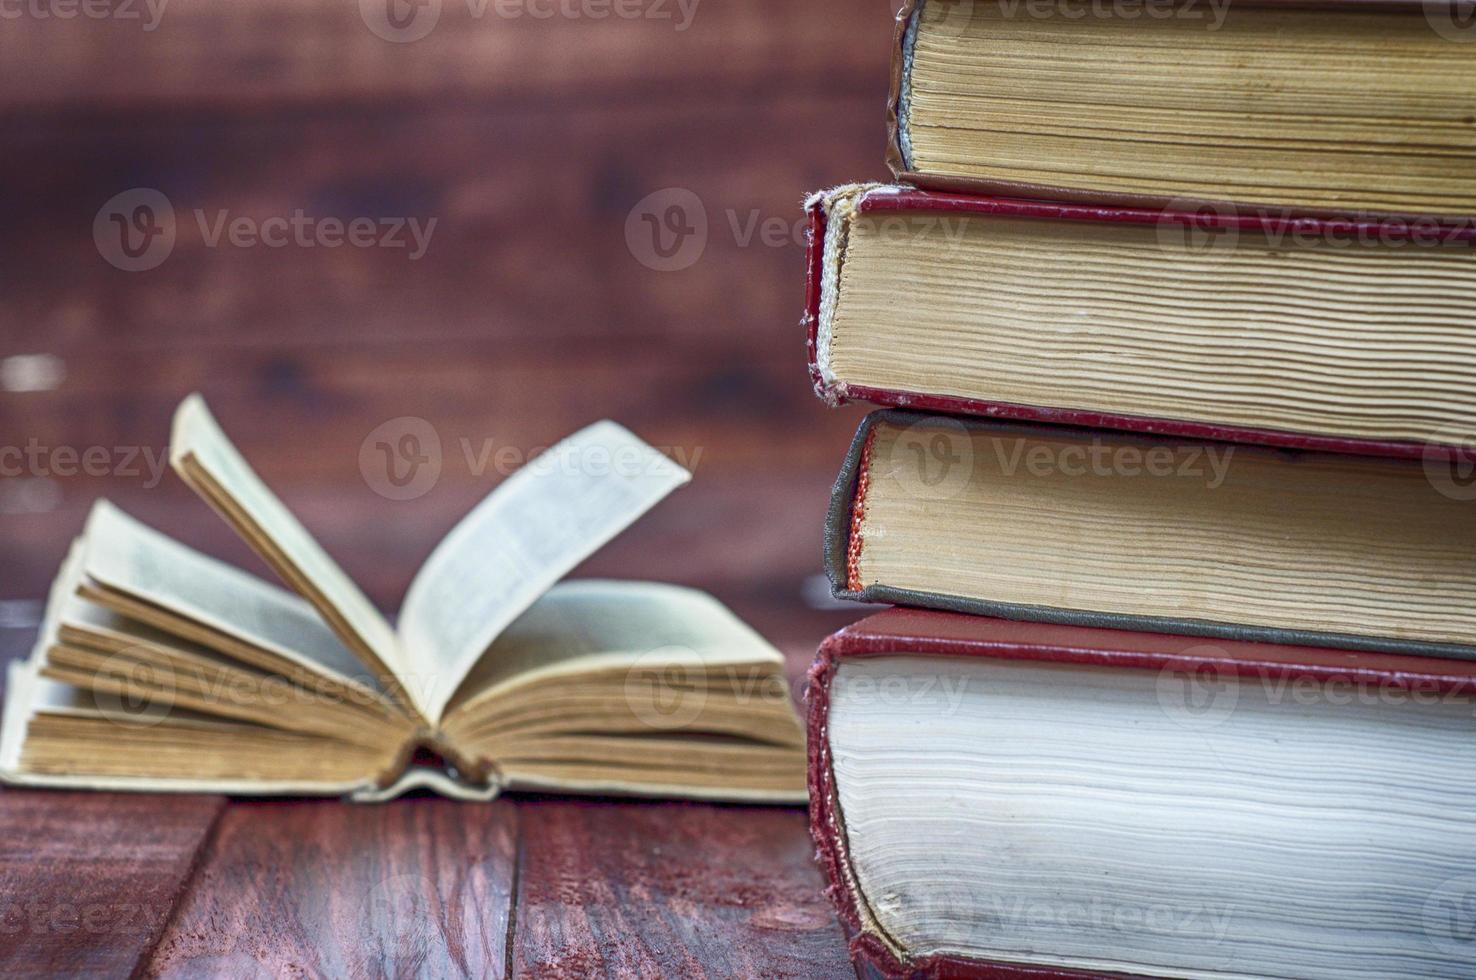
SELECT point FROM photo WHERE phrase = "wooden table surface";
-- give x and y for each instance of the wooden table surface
(532, 142)
(114, 884)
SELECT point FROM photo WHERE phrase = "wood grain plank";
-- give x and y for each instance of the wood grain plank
(251, 54)
(304, 416)
(608, 889)
(88, 880)
(417, 887)
(529, 244)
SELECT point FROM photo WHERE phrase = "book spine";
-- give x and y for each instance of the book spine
(897, 158)
(814, 280)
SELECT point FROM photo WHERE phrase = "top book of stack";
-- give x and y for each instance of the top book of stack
(1364, 107)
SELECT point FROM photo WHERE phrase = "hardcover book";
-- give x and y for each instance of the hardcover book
(1103, 529)
(159, 668)
(1003, 799)
(1310, 333)
(1337, 107)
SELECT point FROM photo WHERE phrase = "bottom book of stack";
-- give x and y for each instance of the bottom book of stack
(1022, 799)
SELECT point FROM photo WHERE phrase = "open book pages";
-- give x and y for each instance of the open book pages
(159, 667)
(537, 526)
(609, 686)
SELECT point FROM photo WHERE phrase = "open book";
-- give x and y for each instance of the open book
(160, 668)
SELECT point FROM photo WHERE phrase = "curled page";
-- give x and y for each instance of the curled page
(205, 459)
(127, 556)
(529, 533)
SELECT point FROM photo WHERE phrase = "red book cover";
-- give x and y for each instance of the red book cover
(825, 253)
(924, 633)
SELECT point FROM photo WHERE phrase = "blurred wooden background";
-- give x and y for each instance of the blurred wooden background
(529, 139)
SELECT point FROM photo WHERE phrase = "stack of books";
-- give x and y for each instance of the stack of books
(1173, 313)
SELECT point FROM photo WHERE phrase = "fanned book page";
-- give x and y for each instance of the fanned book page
(544, 520)
(127, 566)
(202, 455)
(163, 669)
